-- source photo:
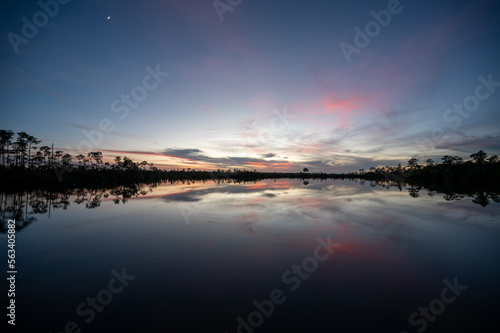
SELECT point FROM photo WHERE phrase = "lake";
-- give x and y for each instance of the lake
(268, 256)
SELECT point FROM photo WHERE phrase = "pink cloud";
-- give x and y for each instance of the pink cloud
(337, 104)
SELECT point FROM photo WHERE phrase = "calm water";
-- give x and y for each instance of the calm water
(214, 257)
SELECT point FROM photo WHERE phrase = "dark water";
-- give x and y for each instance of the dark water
(333, 256)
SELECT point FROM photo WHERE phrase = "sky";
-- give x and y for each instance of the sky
(333, 86)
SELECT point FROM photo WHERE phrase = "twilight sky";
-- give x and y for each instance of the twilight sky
(260, 84)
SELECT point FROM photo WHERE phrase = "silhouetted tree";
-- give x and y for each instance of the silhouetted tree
(21, 148)
(31, 141)
(81, 160)
(95, 158)
(46, 154)
(58, 154)
(5, 142)
(450, 160)
(38, 159)
(66, 160)
(128, 163)
(118, 161)
(479, 157)
(493, 159)
(412, 162)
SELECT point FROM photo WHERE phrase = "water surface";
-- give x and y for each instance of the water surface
(199, 256)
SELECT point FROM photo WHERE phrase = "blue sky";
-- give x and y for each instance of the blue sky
(268, 87)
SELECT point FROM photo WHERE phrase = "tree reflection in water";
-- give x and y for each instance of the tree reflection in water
(24, 206)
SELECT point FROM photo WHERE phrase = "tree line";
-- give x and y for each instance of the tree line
(24, 152)
(452, 169)
(24, 161)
